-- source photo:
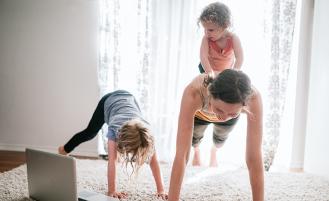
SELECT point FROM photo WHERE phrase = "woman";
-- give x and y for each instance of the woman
(224, 97)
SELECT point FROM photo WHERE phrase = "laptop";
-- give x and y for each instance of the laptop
(52, 177)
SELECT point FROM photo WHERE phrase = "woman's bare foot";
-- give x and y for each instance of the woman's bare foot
(61, 150)
(196, 157)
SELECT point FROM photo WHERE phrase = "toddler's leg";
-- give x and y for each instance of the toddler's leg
(201, 68)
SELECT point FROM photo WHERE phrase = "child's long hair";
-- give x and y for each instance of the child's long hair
(135, 144)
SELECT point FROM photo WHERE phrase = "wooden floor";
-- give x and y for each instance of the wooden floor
(13, 159)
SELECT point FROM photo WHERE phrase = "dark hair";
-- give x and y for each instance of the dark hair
(217, 13)
(230, 86)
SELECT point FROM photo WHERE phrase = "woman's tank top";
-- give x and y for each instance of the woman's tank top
(204, 113)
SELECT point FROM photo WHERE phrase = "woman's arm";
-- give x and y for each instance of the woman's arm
(189, 105)
(204, 52)
(254, 147)
(238, 52)
(111, 171)
(155, 168)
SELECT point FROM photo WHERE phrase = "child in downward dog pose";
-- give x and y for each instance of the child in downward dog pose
(128, 136)
(220, 48)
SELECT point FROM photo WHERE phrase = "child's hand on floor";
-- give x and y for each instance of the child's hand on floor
(120, 195)
(162, 195)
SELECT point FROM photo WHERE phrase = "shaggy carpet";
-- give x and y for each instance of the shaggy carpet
(200, 184)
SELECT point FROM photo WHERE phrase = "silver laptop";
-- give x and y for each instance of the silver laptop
(52, 177)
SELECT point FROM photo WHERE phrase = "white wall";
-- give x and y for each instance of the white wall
(317, 134)
(303, 37)
(48, 72)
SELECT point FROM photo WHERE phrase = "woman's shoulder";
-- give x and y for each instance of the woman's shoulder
(255, 101)
(197, 83)
(196, 89)
(255, 93)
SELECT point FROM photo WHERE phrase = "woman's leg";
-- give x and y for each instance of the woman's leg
(95, 124)
(198, 131)
(220, 134)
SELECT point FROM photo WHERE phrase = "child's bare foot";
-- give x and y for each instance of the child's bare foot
(61, 150)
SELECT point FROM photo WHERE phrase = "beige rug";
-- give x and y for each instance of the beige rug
(200, 184)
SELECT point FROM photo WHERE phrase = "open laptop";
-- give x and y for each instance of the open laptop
(52, 177)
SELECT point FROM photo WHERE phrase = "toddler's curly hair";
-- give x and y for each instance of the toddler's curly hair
(217, 13)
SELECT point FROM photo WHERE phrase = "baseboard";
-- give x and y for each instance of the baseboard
(296, 165)
(79, 151)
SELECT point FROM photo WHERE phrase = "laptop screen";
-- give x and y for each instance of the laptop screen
(51, 177)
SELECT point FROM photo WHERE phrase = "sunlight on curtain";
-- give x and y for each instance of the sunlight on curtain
(152, 49)
(279, 31)
(174, 63)
(266, 31)
(283, 156)
(124, 60)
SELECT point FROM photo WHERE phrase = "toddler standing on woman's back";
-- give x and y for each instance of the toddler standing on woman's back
(220, 48)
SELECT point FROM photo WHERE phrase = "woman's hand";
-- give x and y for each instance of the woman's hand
(120, 195)
(162, 195)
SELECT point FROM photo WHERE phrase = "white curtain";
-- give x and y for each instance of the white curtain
(175, 50)
(279, 32)
(151, 48)
(124, 54)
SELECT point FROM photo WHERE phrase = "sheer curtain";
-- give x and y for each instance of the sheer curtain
(148, 47)
(124, 54)
(279, 32)
(174, 63)
(151, 48)
(266, 29)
